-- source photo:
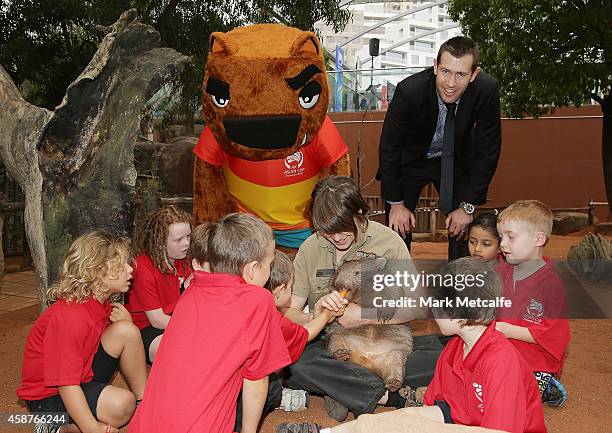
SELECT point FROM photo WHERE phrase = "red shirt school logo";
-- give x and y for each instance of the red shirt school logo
(478, 394)
(535, 310)
(294, 164)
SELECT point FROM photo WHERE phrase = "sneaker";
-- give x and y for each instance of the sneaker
(555, 394)
(334, 409)
(297, 427)
(413, 396)
(294, 400)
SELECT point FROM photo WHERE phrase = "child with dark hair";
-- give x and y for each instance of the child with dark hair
(483, 239)
(344, 232)
(160, 271)
(80, 341)
(480, 378)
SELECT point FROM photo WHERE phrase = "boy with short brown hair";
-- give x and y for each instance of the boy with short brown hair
(223, 336)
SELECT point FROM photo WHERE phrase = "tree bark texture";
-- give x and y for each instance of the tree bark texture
(79, 159)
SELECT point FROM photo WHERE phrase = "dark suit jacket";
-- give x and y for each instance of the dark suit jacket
(410, 124)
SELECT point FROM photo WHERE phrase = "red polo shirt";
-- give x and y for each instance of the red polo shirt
(492, 387)
(223, 330)
(538, 303)
(296, 337)
(61, 346)
(152, 289)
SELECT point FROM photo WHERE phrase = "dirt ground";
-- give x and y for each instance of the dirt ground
(587, 373)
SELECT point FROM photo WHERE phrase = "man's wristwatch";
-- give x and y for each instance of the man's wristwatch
(467, 207)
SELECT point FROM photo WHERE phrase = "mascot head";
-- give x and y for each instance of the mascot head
(265, 91)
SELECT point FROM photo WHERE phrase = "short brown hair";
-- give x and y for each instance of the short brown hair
(486, 286)
(337, 206)
(90, 257)
(281, 271)
(533, 213)
(153, 237)
(198, 246)
(460, 46)
(236, 240)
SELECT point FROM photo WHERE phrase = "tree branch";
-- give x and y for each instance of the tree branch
(597, 98)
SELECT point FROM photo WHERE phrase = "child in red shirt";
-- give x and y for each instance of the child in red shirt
(223, 336)
(480, 378)
(536, 323)
(296, 336)
(159, 274)
(72, 351)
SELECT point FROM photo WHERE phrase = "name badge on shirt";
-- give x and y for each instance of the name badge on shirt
(364, 255)
(325, 272)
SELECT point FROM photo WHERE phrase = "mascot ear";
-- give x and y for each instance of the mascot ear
(218, 45)
(305, 43)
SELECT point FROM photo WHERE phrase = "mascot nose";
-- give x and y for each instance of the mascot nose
(263, 132)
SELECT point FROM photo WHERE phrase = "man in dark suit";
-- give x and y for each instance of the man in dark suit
(442, 126)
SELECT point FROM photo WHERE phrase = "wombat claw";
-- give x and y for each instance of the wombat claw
(342, 355)
(393, 385)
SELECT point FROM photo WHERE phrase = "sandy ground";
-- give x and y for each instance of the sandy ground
(587, 373)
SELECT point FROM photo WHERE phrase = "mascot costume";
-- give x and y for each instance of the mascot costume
(267, 139)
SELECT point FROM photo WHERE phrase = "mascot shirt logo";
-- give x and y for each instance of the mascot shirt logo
(294, 163)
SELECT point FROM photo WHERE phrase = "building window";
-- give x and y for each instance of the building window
(424, 46)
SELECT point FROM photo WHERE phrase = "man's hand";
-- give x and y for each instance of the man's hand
(332, 303)
(457, 224)
(401, 219)
(119, 313)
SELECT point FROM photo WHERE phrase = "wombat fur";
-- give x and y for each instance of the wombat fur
(382, 348)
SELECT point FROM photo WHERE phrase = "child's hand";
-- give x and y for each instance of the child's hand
(332, 302)
(119, 313)
(334, 314)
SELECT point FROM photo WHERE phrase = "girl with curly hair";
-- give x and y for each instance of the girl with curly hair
(161, 271)
(78, 343)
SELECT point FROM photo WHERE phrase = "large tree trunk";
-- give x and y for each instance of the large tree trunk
(79, 159)
(22, 127)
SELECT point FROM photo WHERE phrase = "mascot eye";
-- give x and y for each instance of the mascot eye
(309, 96)
(219, 101)
(219, 91)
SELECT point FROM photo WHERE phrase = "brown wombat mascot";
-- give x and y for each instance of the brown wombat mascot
(382, 348)
(267, 139)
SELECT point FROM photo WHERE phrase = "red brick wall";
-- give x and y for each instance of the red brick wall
(556, 160)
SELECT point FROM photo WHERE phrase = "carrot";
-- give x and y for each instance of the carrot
(343, 293)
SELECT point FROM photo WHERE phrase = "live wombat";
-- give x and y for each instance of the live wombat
(381, 348)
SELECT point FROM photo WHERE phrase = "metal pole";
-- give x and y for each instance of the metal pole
(372, 74)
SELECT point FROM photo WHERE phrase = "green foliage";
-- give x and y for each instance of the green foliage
(45, 44)
(545, 53)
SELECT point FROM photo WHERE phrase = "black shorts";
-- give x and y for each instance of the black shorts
(149, 334)
(446, 411)
(103, 366)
